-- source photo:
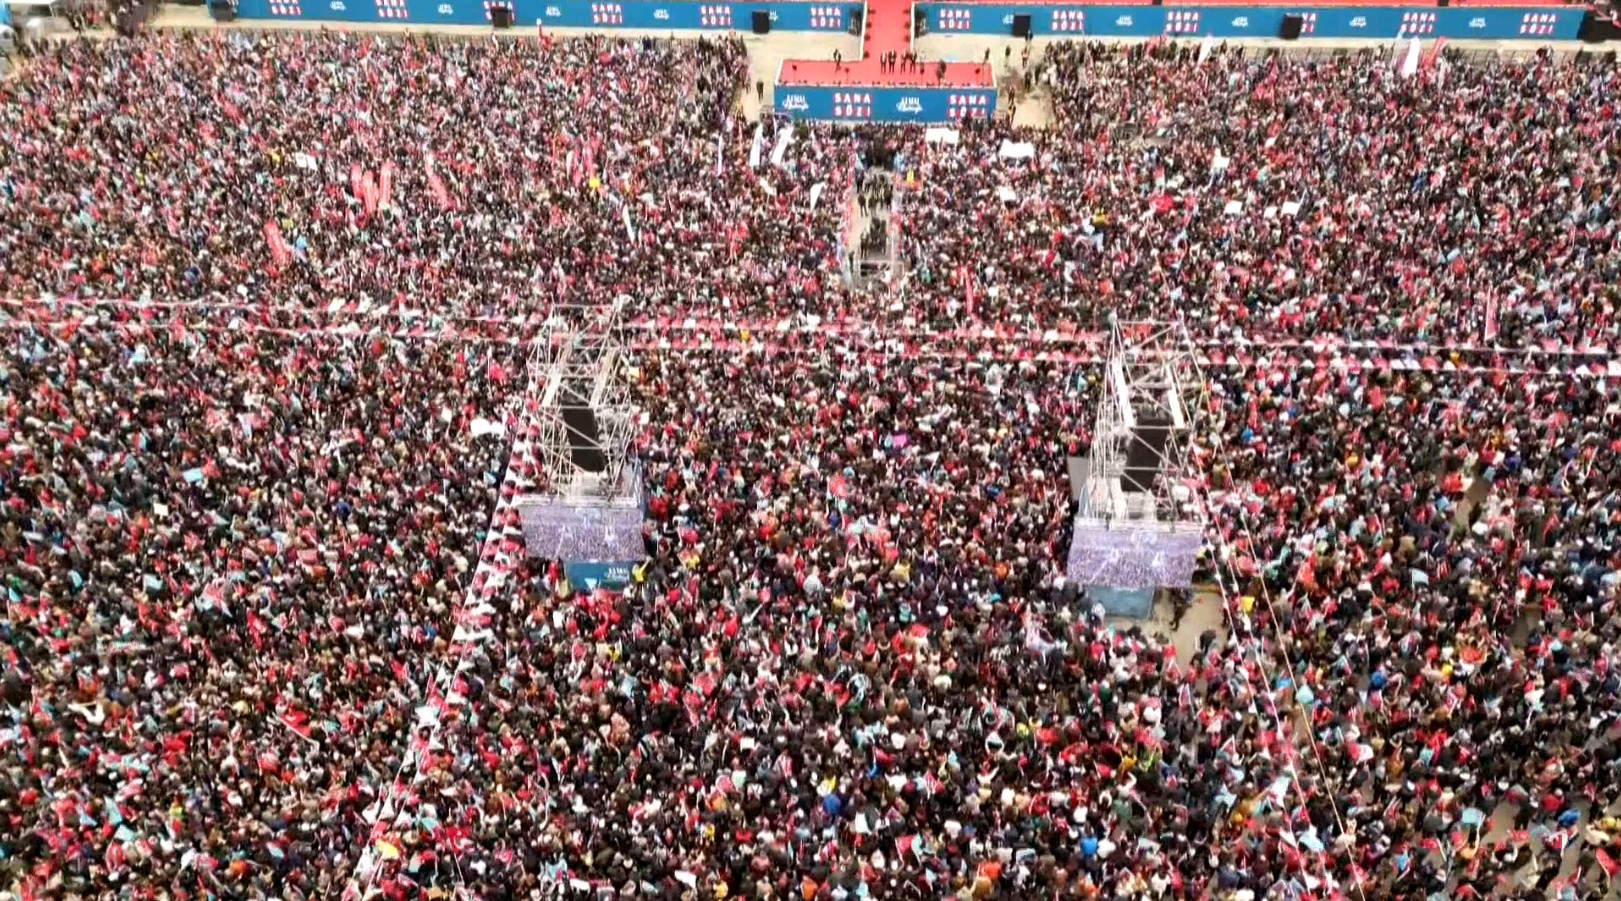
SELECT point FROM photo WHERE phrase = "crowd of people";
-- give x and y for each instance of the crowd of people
(268, 304)
(1267, 197)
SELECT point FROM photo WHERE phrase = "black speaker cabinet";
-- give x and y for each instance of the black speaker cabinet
(1291, 27)
(1145, 453)
(920, 21)
(1443, 2)
(1596, 29)
(584, 433)
(501, 16)
(854, 18)
(222, 11)
(762, 21)
(1021, 26)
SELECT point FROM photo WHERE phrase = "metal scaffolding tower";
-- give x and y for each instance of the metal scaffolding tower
(1138, 524)
(581, 494)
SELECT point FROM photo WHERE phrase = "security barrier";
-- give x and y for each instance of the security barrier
(848, 104)
(1382, 22)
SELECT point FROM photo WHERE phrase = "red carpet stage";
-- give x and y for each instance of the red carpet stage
(887, 30)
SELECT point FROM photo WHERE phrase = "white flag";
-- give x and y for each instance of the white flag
(1207, 46)
(1409, 66)
(759, 144)
(780, 152)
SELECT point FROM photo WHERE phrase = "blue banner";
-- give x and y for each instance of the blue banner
(681, 15)
(1382, 22)
(589, 576)
(933, 106)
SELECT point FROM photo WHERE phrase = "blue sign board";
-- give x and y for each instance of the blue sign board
(590, 575)
(934, 106)
(1382, 22)
(678, 15)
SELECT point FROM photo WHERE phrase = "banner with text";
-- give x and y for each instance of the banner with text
(934, 106)
(1383, 22)
(680, 15)
(1058, 20)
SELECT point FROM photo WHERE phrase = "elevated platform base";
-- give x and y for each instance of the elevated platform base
(590, 575)
(1132, 603)
(933, 106)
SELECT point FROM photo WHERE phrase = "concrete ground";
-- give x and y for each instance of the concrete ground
(1205, 614)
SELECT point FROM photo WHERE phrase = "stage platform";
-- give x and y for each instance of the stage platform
(887, 29)
(872, 89)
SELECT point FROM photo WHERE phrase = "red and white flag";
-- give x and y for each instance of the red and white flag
(967, 276)
(436, 186)
(279, 255)
(299, 723)
(385, 186)
(369, 193)
(1433, 54)
(213, 597)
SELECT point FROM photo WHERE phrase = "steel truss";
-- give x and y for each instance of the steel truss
(580, 357)
(1151, 374)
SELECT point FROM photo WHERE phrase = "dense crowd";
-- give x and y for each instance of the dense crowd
(265, 305)
(1473, 205)
(414, 175)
